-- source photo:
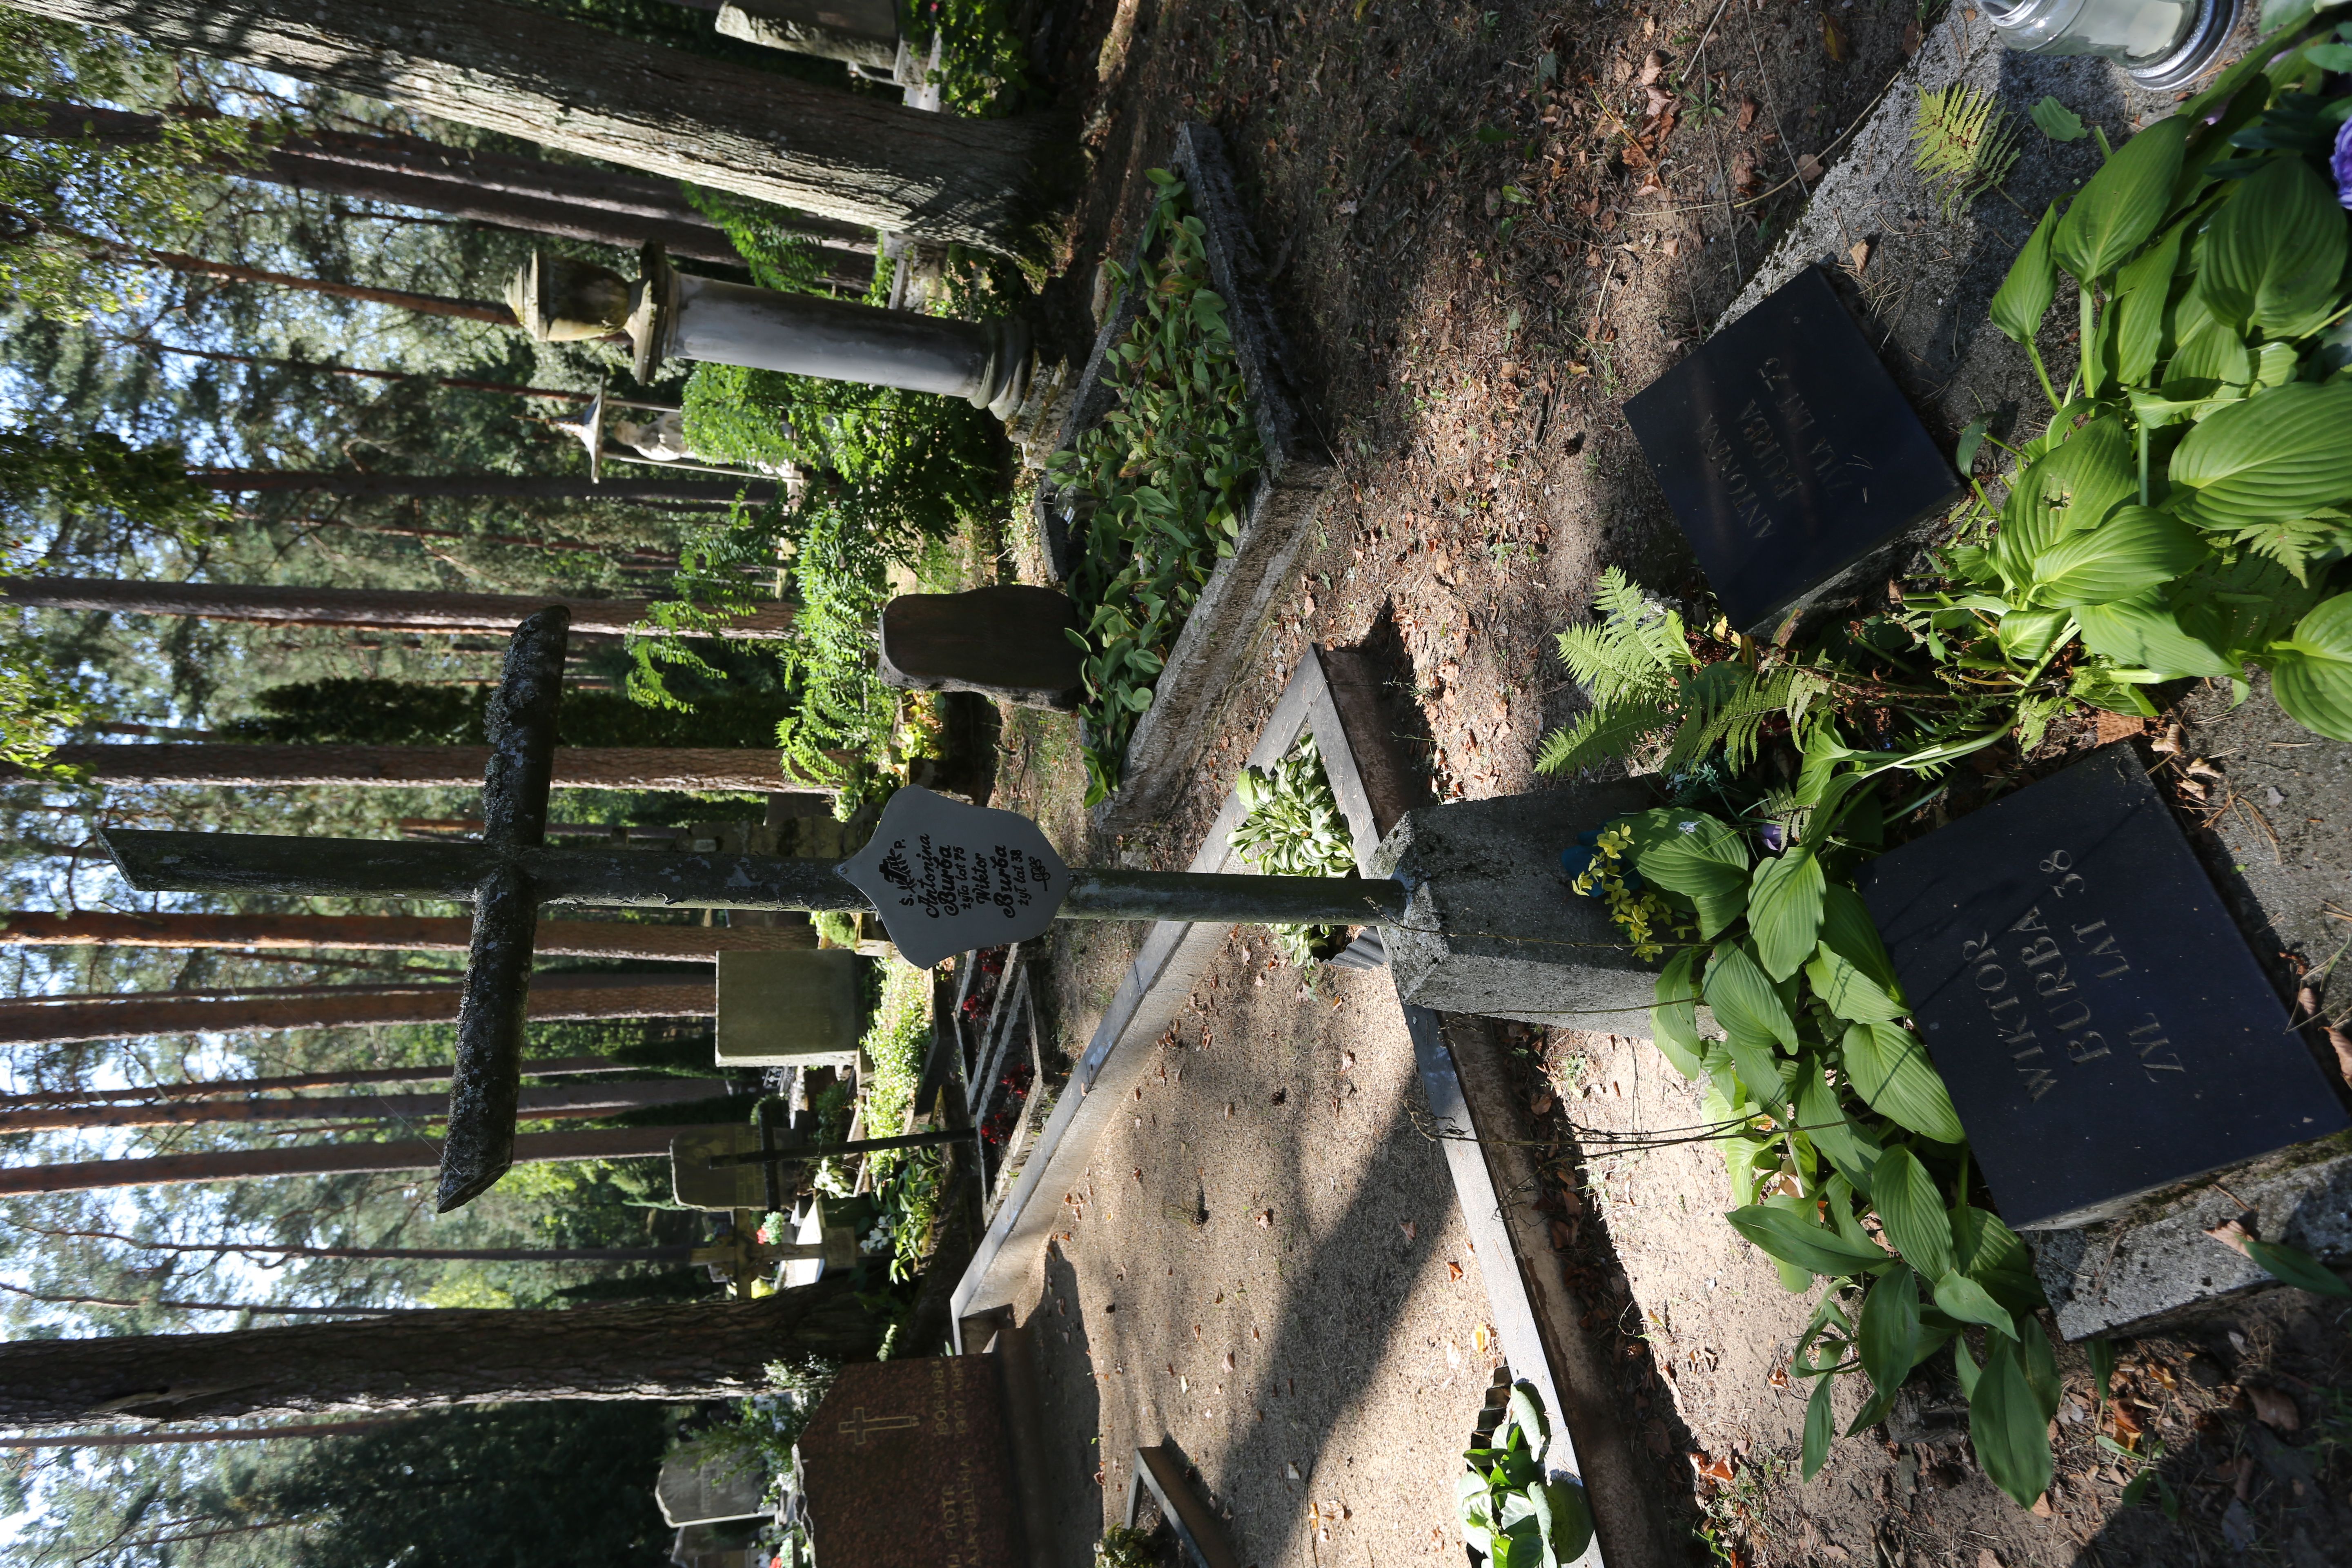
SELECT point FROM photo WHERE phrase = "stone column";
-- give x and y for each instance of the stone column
(667, 313)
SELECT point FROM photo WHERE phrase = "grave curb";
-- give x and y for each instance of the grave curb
(1536, 1311)
(1228, 624)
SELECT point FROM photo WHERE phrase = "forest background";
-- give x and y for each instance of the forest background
(125, 370)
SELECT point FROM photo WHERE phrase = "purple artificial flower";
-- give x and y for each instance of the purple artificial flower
(1775, 837)
(2341, 163)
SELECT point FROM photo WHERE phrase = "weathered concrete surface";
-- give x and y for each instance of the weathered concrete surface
(1927, 282)
(2159, 1265)
(1492, 928)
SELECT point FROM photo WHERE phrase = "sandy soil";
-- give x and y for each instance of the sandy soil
(1467, 377)
(1265, 1267)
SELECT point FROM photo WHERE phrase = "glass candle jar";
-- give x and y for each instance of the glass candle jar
(2160, 43)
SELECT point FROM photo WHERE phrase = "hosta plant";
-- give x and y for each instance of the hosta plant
(1847, 1161)
(1291, 826)
(1510, 1514)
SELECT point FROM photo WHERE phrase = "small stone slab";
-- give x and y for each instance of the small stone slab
(1009, 642)
(2097, 1014)
(1789, 458)
(909, 1462)
(694, 1185)
(2159, 1266)
(798, 1007)
(948, 877)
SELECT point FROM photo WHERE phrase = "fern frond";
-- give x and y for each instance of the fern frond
(1726, 705)
(1966, 145)
(1598, 734)
(1630, 649)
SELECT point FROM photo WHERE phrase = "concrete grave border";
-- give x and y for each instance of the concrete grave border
(1334, 695)
(1227, 626)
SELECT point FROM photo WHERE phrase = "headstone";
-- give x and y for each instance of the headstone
(948, 878)
(1789, 458)
(695, 1185)
(1010, 642)
(2097, 1017)
(716, 1546)
(909, 1462)
(700, 1486)
(798, 1007)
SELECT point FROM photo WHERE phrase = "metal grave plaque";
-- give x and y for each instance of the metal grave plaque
(948, 877)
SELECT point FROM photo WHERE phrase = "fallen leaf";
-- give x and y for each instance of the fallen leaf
(1454, 1269)
(1291, 1470)
(1985, 1559)
(1746, 113)
(2232, 1233)
(1411, 1231)
(1653, 67)
(1834, 40)
(1482, 1338)
(2341, 1039)
(1453, 1353)
(1139, 1172)
(2041, 1509)
(1859, 256)
(1229, 1361)
(1712, 1470)
(1911, 38)
(1346, 1061)
(2274, 1408)
(1266, 1219)
(1808, 168)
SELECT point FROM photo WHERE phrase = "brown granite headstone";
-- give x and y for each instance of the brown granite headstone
(908, 1462)
(1010, 641)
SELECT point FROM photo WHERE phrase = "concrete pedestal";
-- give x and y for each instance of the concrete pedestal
(1494, 928)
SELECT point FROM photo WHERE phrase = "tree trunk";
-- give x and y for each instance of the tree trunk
(215, 1435)
(408, 767)
(371, 609)
(401, 933)
(698, 1350)
(548, 1102)
(604, 207)
(857, 158)
(355, 1157)
(681, 1253)
(532, 1067)
(159, 1013)
(675, 493)
(424, 304)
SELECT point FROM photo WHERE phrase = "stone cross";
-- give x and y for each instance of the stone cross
(510, 871)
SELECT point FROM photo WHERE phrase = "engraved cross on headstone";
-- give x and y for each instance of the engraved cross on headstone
(939, 871)
(861, 1427)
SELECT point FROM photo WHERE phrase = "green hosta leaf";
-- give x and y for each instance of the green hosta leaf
(1958, 1296)
(2056, 120)
(2040, 1365)
(2143, 634)
(2123, 204)
(1990, 1253)
(1825, 1121)
(1965, 1368)
(2028, 635)
(2033, 283)
(1674, 1022)
(2282, 454)
(2136, 549)
(2073, 487)
(2311, 673)
(1784, 911)
(1744, 1000)
(2273, 256)
(1851, 937)
(1568, 1527)
(1889, 1337)
(1821, 1427)
(2142, 294)
(2294, 1267)
(1888, 1067)
(1912, 1211)
(2006, 1425)
(1691, 853)
(1790, 1238)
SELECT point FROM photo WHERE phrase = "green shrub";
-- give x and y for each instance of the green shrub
(368, 711)
(1168, 473)
(1291, 826)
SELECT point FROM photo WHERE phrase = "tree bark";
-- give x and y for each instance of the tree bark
(216, 1434)
(405, 767)
(604, 207)
(700, 1349)
(548, 1102)
(532, 1067)
(854, 158)
(354, 1157)
(424, 304)
(158, 1013)
(675, 493)
(371, 609)
(681, 1253)
(399, 933)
